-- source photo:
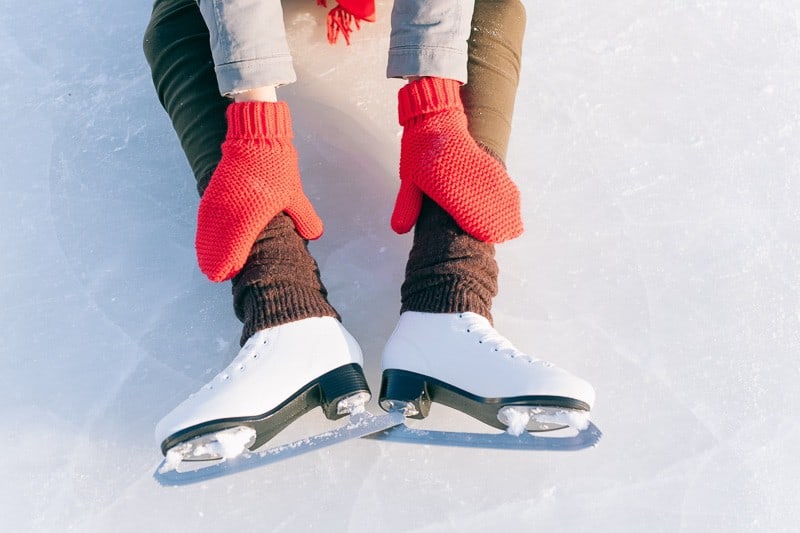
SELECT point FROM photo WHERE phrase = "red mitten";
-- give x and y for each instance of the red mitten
(257, 178)
(439, 157)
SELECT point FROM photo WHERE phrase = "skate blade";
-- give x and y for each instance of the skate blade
(358, 425)
(213, 447)
(519, 419)
(555, 441)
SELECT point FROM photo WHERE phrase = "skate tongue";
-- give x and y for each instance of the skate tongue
(489, 335)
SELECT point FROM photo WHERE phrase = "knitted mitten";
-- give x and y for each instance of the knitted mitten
(439, 158)
(257, 178)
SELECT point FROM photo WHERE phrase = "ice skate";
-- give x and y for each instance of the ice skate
(460, 360)
(280, 374)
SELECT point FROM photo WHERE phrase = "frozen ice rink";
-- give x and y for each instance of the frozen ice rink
(657, 147)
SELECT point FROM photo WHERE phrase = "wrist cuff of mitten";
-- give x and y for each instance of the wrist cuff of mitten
(258, 120)
(427, 95)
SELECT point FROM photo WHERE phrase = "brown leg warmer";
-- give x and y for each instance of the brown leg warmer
(448, 271)
(280, 282)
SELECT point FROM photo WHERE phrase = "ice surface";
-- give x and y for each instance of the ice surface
(656, 145)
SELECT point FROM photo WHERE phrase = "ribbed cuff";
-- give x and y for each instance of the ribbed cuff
(448, 271)
(267, 306)
(427, 95)
(259, 120)
(449, 294)
(280, 282)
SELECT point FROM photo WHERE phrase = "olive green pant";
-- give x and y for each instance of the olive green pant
(448, 271)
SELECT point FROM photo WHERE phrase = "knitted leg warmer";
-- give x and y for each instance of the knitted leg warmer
(280, 281)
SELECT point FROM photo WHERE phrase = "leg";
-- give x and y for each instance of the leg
(450, 271)
(248, 44)
(280, 282)
(429, 38)
(176, 45)
(257, 176)
(439, 158)
(451, 276)
(295, 350)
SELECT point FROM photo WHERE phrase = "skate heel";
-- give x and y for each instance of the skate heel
(343, 390)
(407, 391)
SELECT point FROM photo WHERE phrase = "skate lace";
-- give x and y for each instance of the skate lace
(494, 341)
(248, 353)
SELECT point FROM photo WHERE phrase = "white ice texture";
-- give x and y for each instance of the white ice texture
(657, 148)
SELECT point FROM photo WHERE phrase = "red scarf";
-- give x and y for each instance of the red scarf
(347, 14)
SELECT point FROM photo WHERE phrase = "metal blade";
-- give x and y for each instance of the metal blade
(586, 438)
(359, 425)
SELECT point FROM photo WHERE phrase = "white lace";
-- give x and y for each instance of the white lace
(487, 335)
(248, 352)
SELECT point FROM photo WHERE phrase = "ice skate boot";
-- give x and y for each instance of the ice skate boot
(280, 374)
(460, 360)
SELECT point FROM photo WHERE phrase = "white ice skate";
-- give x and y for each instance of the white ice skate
(460, 360)
(279, 374)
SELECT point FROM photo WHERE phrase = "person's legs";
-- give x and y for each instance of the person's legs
(495, 60)
(444, 347)
(248, 44)
(429, 38)
(449, 270)
(295, 354)
(280, 281)
(176, 46)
